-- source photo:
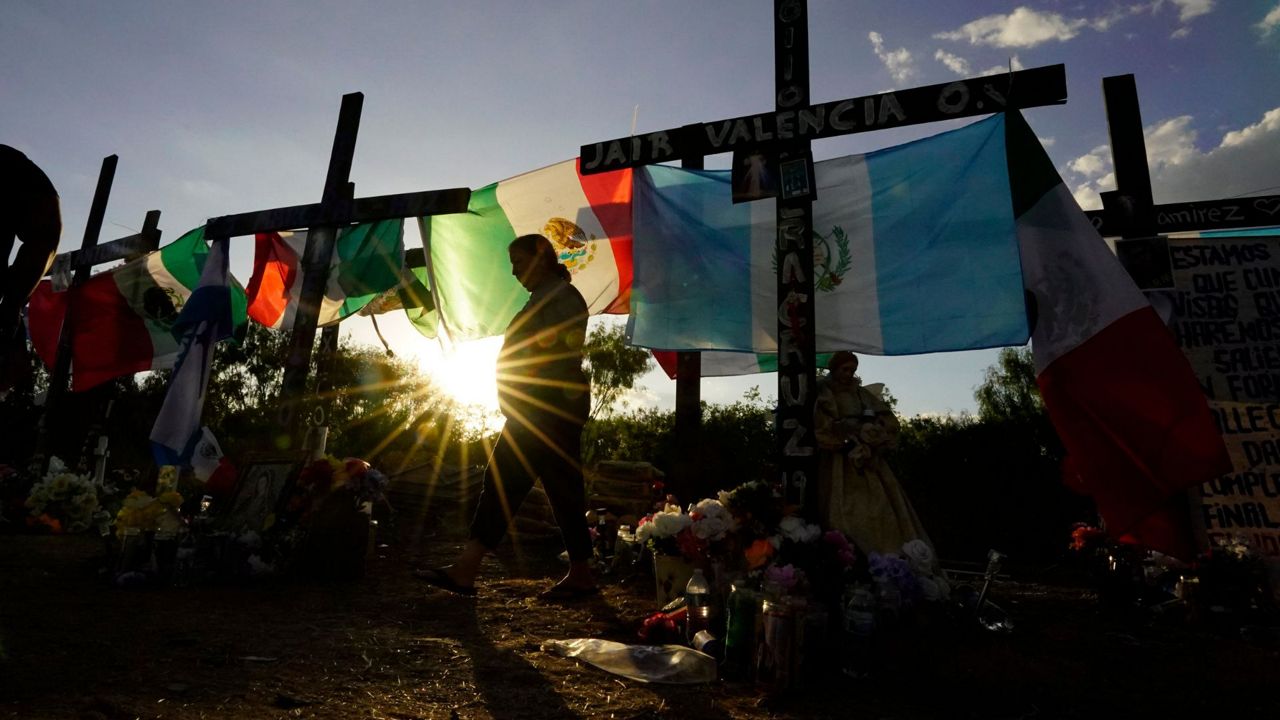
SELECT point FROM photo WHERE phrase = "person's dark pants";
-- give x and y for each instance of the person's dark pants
(549, 452)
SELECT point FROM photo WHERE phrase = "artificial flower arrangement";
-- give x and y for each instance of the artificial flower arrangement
(1231, 577)
(324, 528)
(756, 510)
(62, 500)
(143, 512)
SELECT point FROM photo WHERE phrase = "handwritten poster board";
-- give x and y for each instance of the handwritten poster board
(1224, 310)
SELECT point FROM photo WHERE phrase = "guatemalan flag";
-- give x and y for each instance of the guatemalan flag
(915, 251)
(205, 319)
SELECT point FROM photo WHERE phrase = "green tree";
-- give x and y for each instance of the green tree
(612, 366)
(1009, 390)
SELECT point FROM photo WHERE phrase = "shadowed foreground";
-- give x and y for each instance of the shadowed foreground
(388, 647)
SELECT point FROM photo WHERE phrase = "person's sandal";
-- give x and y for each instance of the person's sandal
(440, 579)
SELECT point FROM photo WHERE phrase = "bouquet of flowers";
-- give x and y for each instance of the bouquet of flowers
(143, 512)
(924, 564)
(755, 507)
(670, 532)
(1232, 577)
(63, 501)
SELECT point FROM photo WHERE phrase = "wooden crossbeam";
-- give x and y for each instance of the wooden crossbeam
(1224, 214)
(984, 95)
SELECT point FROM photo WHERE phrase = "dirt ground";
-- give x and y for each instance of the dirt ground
(388, 647)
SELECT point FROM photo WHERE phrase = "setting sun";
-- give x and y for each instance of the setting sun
(466, 371)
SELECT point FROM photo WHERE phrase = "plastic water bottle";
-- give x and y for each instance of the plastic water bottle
(701, 603)
(888, 604)
(859, 630)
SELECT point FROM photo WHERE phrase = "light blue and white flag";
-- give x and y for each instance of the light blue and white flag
(205, 319)
(915, 251)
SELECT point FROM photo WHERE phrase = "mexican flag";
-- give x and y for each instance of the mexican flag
(1120, 393)
(123, 318)
(366, 262)
(587, 218)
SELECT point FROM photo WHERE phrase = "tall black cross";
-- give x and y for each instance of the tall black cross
(338, 207)
(1130, 211)
(785, 134)
(81, 263)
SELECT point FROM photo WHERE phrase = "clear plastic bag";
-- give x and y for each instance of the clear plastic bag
(673, 664)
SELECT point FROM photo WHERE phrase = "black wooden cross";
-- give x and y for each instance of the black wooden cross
(785, 134)
(1130, 211)
(1130, 214)
(81, 263)
(337, 208)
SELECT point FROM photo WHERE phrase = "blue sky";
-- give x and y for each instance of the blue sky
(217, 108)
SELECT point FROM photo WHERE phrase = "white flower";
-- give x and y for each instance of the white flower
(919, 555)
(775, 541)
(714, 522)
(723, 497)
(797, 530)
(669, 524)
(644, 532)
(56, 466)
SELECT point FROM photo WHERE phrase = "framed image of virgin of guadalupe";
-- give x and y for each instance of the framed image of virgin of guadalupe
(262, 482)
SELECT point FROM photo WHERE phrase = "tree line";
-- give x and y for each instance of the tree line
(990, 480)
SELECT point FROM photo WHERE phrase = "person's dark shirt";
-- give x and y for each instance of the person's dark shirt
(540, 376)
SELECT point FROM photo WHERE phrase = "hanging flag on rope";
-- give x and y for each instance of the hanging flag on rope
(587, 219)
(124, 317)
(205, 319)
(366, 262)
(915, 251)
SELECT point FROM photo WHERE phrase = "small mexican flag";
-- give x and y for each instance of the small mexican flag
(123, 318)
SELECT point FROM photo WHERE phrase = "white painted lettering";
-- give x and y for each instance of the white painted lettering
(660, 146)
(789, 96)
(788, 352)
(953, 98)
(791, 270)
(740, 132)
(814, 121)
(595, 161)
(761, 133)
(869, 111)
(890, 107)
(838, 113)
(793, 448)
(615, 154)
(717, 139)
(786, 124)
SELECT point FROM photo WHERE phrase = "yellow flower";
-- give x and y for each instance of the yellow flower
(170, 499)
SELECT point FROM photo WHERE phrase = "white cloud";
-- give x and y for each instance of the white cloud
(1013, 64)
(1242, 163)
(1191, 9)
(1046, 142)
(1270, 22)
(1269, 125)
(1093, 163)
(1180, 33)
(954, 63)
(898, 62)
(1023, 27)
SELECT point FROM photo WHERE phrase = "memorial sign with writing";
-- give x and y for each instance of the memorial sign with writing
(1229, 214)
(791, 123)
(1224, 311)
